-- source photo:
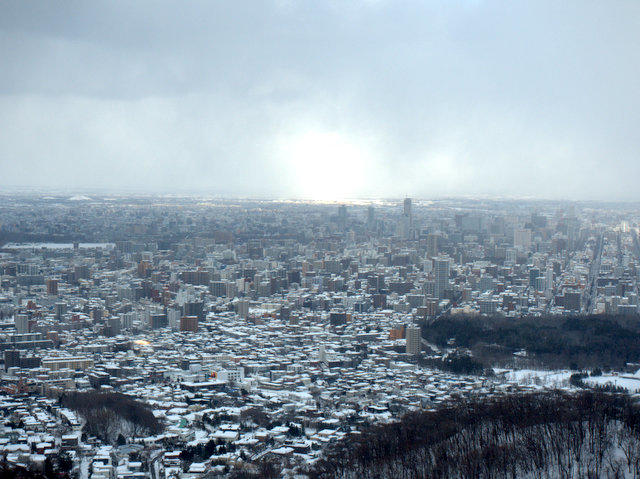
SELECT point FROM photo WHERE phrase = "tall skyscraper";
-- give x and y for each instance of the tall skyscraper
(406, 222)
(441, 266)
(342, 216)
(548, 281)
(371, 216)
(432, 245)
(407, 207)
(414, 340)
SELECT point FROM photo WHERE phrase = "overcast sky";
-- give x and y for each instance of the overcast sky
(323, 99)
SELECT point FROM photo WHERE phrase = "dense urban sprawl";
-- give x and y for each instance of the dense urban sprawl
(257, 332)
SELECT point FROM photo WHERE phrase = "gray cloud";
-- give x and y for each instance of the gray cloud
(261, 98)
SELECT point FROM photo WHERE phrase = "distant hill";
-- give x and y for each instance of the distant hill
(553, 341)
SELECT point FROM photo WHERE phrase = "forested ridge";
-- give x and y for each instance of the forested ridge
(542, 435)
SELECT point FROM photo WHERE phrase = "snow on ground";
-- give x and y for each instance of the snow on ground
(630, 382)
(559, 379)
(551, 379)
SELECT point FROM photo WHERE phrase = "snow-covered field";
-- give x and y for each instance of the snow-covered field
(559, 379)
(630, 382)
(550, 379)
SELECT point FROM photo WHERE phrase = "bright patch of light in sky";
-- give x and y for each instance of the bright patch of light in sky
(325, 165)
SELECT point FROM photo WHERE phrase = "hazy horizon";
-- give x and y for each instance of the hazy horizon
(89, 194)
(322, 101)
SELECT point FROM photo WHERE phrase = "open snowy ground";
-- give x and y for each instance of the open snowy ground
(544, 378)
(629, 382)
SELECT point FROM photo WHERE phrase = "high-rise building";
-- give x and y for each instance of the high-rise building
(194, 308)
(157, 321)
(441, 266)
(80, 272)
(371, 218)
(342, 216)
(432, 245)
(126, 320)
(487, 305)
(337, 318)
(232, 290)
(114, 326)
(255, 249)
(414, 340)
(218, 288)
(22, 323)
(61, 309)
(379, 300)
(11, 359)
(242, 308)
(405, 227)
(522, 239)
(407, 208)
(52, 286)
(173, 318)
(486, 283)
(195, 277)
(548, 284)
(533, 274)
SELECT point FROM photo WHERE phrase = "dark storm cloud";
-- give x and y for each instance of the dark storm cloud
(421, 98)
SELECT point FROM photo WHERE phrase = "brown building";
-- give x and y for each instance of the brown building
(189, 323)
(195, 277)
(397, 333)
(52, 286)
